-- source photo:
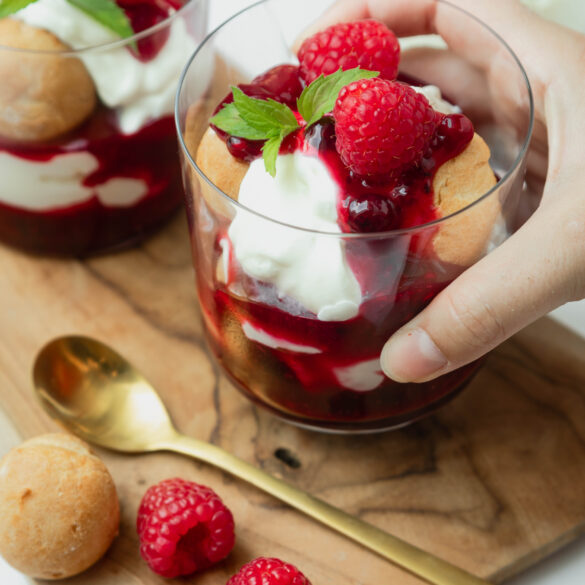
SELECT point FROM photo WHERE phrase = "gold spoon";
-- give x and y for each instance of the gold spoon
(100, 397)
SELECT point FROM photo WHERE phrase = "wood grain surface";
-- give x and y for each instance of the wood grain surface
(493, 482)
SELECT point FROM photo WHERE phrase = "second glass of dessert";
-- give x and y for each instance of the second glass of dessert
(88, 150)
(332, 194)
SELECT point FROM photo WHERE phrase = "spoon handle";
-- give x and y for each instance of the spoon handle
(420, 563)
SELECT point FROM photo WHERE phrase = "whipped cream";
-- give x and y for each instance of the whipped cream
(361, 376)
(310, 268)
(435, 99)
(258, 335)
(138, 91)
(58, 182)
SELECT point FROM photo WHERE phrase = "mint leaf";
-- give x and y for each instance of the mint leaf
(319, 97)
(270, 152)
(229, 120)
(8, 7)
(268, 116)
(256, 119)
(107, 13)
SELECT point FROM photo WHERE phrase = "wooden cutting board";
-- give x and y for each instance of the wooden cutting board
(493, 482)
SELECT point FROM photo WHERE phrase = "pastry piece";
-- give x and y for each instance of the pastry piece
(462, 239)
(223, 170)
(208, 150)
(58, 507)
(43, 94)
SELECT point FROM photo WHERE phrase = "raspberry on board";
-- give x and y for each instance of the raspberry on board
(368, 44)
(268, 571)
(382, 126)
(183, 527)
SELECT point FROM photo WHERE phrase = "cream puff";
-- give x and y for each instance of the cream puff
(59, 510)
(45, 92)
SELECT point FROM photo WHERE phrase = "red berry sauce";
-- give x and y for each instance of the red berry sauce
(89, 227)
(150, 155)
(398, 275)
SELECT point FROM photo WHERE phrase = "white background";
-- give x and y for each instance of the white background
(564, 568)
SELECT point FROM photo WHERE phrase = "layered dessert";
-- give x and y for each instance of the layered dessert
(352, 188)
(87, 142)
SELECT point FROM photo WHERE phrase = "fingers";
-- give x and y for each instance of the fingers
(536, 270)
(404, 18)
(413, 17)
(416, 17)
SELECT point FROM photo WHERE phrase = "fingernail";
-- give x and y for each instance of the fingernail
(411, 356)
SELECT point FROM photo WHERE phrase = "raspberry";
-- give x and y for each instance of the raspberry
(268, 571)
(183, 527)
(366, 43)
(281, 83)
(382, 126)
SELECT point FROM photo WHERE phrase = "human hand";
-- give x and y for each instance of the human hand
(542, 265)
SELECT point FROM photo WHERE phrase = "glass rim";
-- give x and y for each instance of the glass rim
(109, 44)
(353, 235)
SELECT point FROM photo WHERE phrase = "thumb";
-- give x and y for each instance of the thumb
(526, 277)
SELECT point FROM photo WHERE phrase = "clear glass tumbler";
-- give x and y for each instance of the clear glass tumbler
(321, 370)
(88, 148)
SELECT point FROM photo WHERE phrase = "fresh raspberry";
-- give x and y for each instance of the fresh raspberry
(382, 126)
(366, 43)
(183, 527)
(268, 571)
(281, 83)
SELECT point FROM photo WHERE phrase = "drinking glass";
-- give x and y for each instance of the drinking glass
(318, 370)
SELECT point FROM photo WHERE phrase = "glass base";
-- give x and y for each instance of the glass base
(354, 427)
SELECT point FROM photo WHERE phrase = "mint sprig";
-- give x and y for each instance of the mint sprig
(106, 12)
(257, 119)
(265, 115)
(8, 7)
(270, 153)
(318, 98)
(230, 121)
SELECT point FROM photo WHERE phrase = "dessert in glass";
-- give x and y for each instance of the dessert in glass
(88, 150)
(331, 199)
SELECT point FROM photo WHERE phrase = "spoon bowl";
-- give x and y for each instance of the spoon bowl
(99, 396)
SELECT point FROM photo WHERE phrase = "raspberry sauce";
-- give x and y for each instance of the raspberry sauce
(314, 373)
(89, 226)
(148, 155)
